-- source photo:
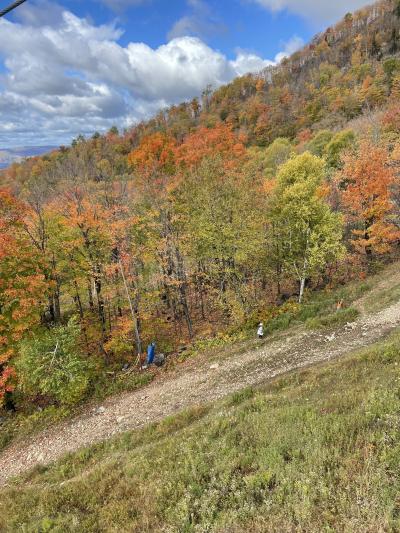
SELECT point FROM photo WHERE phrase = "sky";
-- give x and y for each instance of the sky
(75, 67)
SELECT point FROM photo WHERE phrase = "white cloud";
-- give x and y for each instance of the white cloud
(290, 47)
(75, 77)
(319, 11)
(248, 62)
(42, 13)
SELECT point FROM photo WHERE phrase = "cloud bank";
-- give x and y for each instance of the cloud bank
(70, 77)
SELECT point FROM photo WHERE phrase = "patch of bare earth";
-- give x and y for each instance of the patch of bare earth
(195, 385)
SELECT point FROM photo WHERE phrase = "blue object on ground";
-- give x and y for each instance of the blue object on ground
(151, 351)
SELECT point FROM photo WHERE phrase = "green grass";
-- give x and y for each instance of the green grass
(22, 425)
(338, 318)
(315, 451)
(381, 299)
(318, 308)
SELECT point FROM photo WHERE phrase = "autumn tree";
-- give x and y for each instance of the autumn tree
(22, 286)
(308, 232)
(155, 172)
(218, 209)
(317, 145)
(275, 155)
(365, 181)
(218, 197)
(336, 146)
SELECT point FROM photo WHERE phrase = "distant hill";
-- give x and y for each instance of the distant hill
(346, 71)
(10, 155)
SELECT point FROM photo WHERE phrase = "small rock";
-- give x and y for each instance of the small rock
(214, 367)
(100, 410)
(159, 359)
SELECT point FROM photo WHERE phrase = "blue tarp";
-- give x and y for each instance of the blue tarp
(151, 351)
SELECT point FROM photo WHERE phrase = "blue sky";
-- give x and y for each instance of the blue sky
(234, 23)
(74, 66)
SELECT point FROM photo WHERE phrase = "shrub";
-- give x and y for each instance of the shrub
(51, 364)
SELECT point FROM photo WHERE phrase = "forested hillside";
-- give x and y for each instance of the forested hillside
(213, 215)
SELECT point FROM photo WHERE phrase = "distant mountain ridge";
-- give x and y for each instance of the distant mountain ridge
(17, 154)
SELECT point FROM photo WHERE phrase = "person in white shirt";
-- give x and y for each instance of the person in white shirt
(260, 331)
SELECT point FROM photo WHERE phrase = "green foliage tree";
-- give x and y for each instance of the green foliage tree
(309, 232)
(319, 142)
(340, 142)
(113, 130)
(51, 365)
(275, 155)
(222, 227)
(391, 67)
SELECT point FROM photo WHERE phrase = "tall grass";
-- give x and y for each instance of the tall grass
(316, 450)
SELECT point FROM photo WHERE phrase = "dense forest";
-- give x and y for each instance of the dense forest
(211, 216)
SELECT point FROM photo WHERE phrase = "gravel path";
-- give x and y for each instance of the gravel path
(193, 386)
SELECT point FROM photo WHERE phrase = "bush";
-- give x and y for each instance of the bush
(51, 365)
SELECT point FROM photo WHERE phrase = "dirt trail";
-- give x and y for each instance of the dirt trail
(201, 383)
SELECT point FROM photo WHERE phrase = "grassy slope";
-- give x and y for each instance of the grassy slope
(317, 450)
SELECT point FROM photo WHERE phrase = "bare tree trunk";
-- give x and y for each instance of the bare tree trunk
(78, 303)
(302, 286)
(78, 300)
(56, 295)
(90, 294)
(133, 312)
(100, 302)
(183, 292)
(303, 278)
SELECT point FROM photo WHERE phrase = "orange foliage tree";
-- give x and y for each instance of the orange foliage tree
(154, 165)
(211, 142)
(22, 286)
(154, 161)
(365, 182)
